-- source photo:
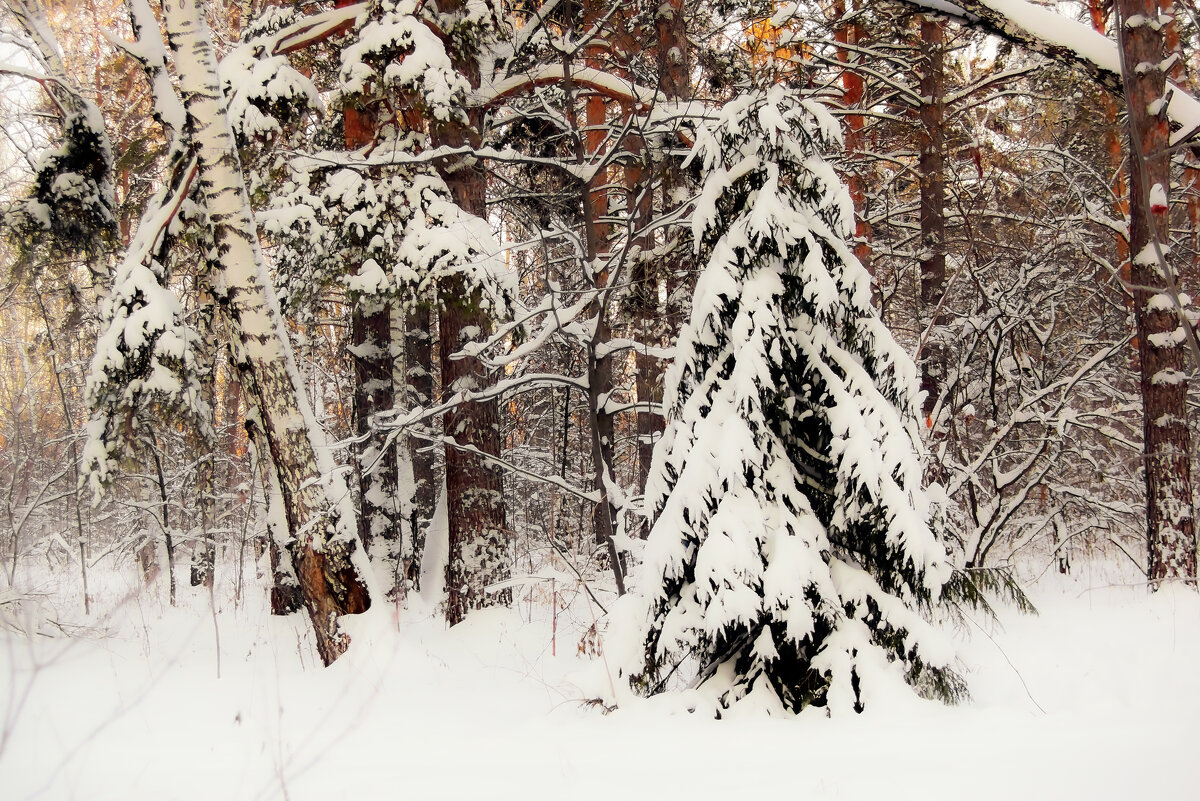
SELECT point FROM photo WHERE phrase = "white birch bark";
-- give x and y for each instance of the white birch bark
(324, 544)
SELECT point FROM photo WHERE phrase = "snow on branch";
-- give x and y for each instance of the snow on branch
(149, 51)
(1066, 41)
(599, 81)
(591, 496)
(145, 360)
(313, 29)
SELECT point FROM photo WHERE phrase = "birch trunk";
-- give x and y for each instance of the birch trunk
(321, 527)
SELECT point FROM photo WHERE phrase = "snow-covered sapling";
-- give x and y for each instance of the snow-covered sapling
(791, 561)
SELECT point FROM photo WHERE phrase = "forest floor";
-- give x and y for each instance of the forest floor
(1095, 698)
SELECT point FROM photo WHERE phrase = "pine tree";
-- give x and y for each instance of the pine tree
(791, 558)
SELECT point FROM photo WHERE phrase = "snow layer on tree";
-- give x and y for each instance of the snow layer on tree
(260, 85)
(396, 49)
(1057, 29)
(788, 477)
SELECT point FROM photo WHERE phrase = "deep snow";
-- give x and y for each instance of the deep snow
(1096, 698)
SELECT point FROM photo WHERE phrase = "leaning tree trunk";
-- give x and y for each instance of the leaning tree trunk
(323, 532)
(1162, 339)
(478, 535)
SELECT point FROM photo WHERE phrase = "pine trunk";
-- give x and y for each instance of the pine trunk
(595, 205)
(650, 318)
(933, 216)
(1162, 343)
(376, 468)
(478, 533)
(848, 36)
(645, 312)
(370, 339)
(478, 536)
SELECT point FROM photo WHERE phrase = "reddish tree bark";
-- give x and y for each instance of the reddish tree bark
(478, 533)
(1171, 532)
(649, 317)
(853, 91)
(931, 139)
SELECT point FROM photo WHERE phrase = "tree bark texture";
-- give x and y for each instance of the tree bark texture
(849, 35)
(478, 533)
(203, 544)
(931, 139)
(418, 345)
(646, 318)
(374, 391)
(597, 235)
(653, 321)
(323, 534)
(1171, 531)
(370, 340)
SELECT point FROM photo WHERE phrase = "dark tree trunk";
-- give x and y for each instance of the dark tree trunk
(370, 338)
(849, 35)
(374, 390)
(163, 507)
(933, 216)
(597, 234)
(650, 317)
(1162, 340)
(418, 343)
(646, 314)
(203, 546)
(478, 533)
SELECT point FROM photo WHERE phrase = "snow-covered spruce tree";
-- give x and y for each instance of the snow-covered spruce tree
(790, 561)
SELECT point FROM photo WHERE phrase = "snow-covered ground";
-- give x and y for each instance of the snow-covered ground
(1096, 698)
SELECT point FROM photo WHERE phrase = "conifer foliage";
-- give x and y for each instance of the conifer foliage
(791, 561)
